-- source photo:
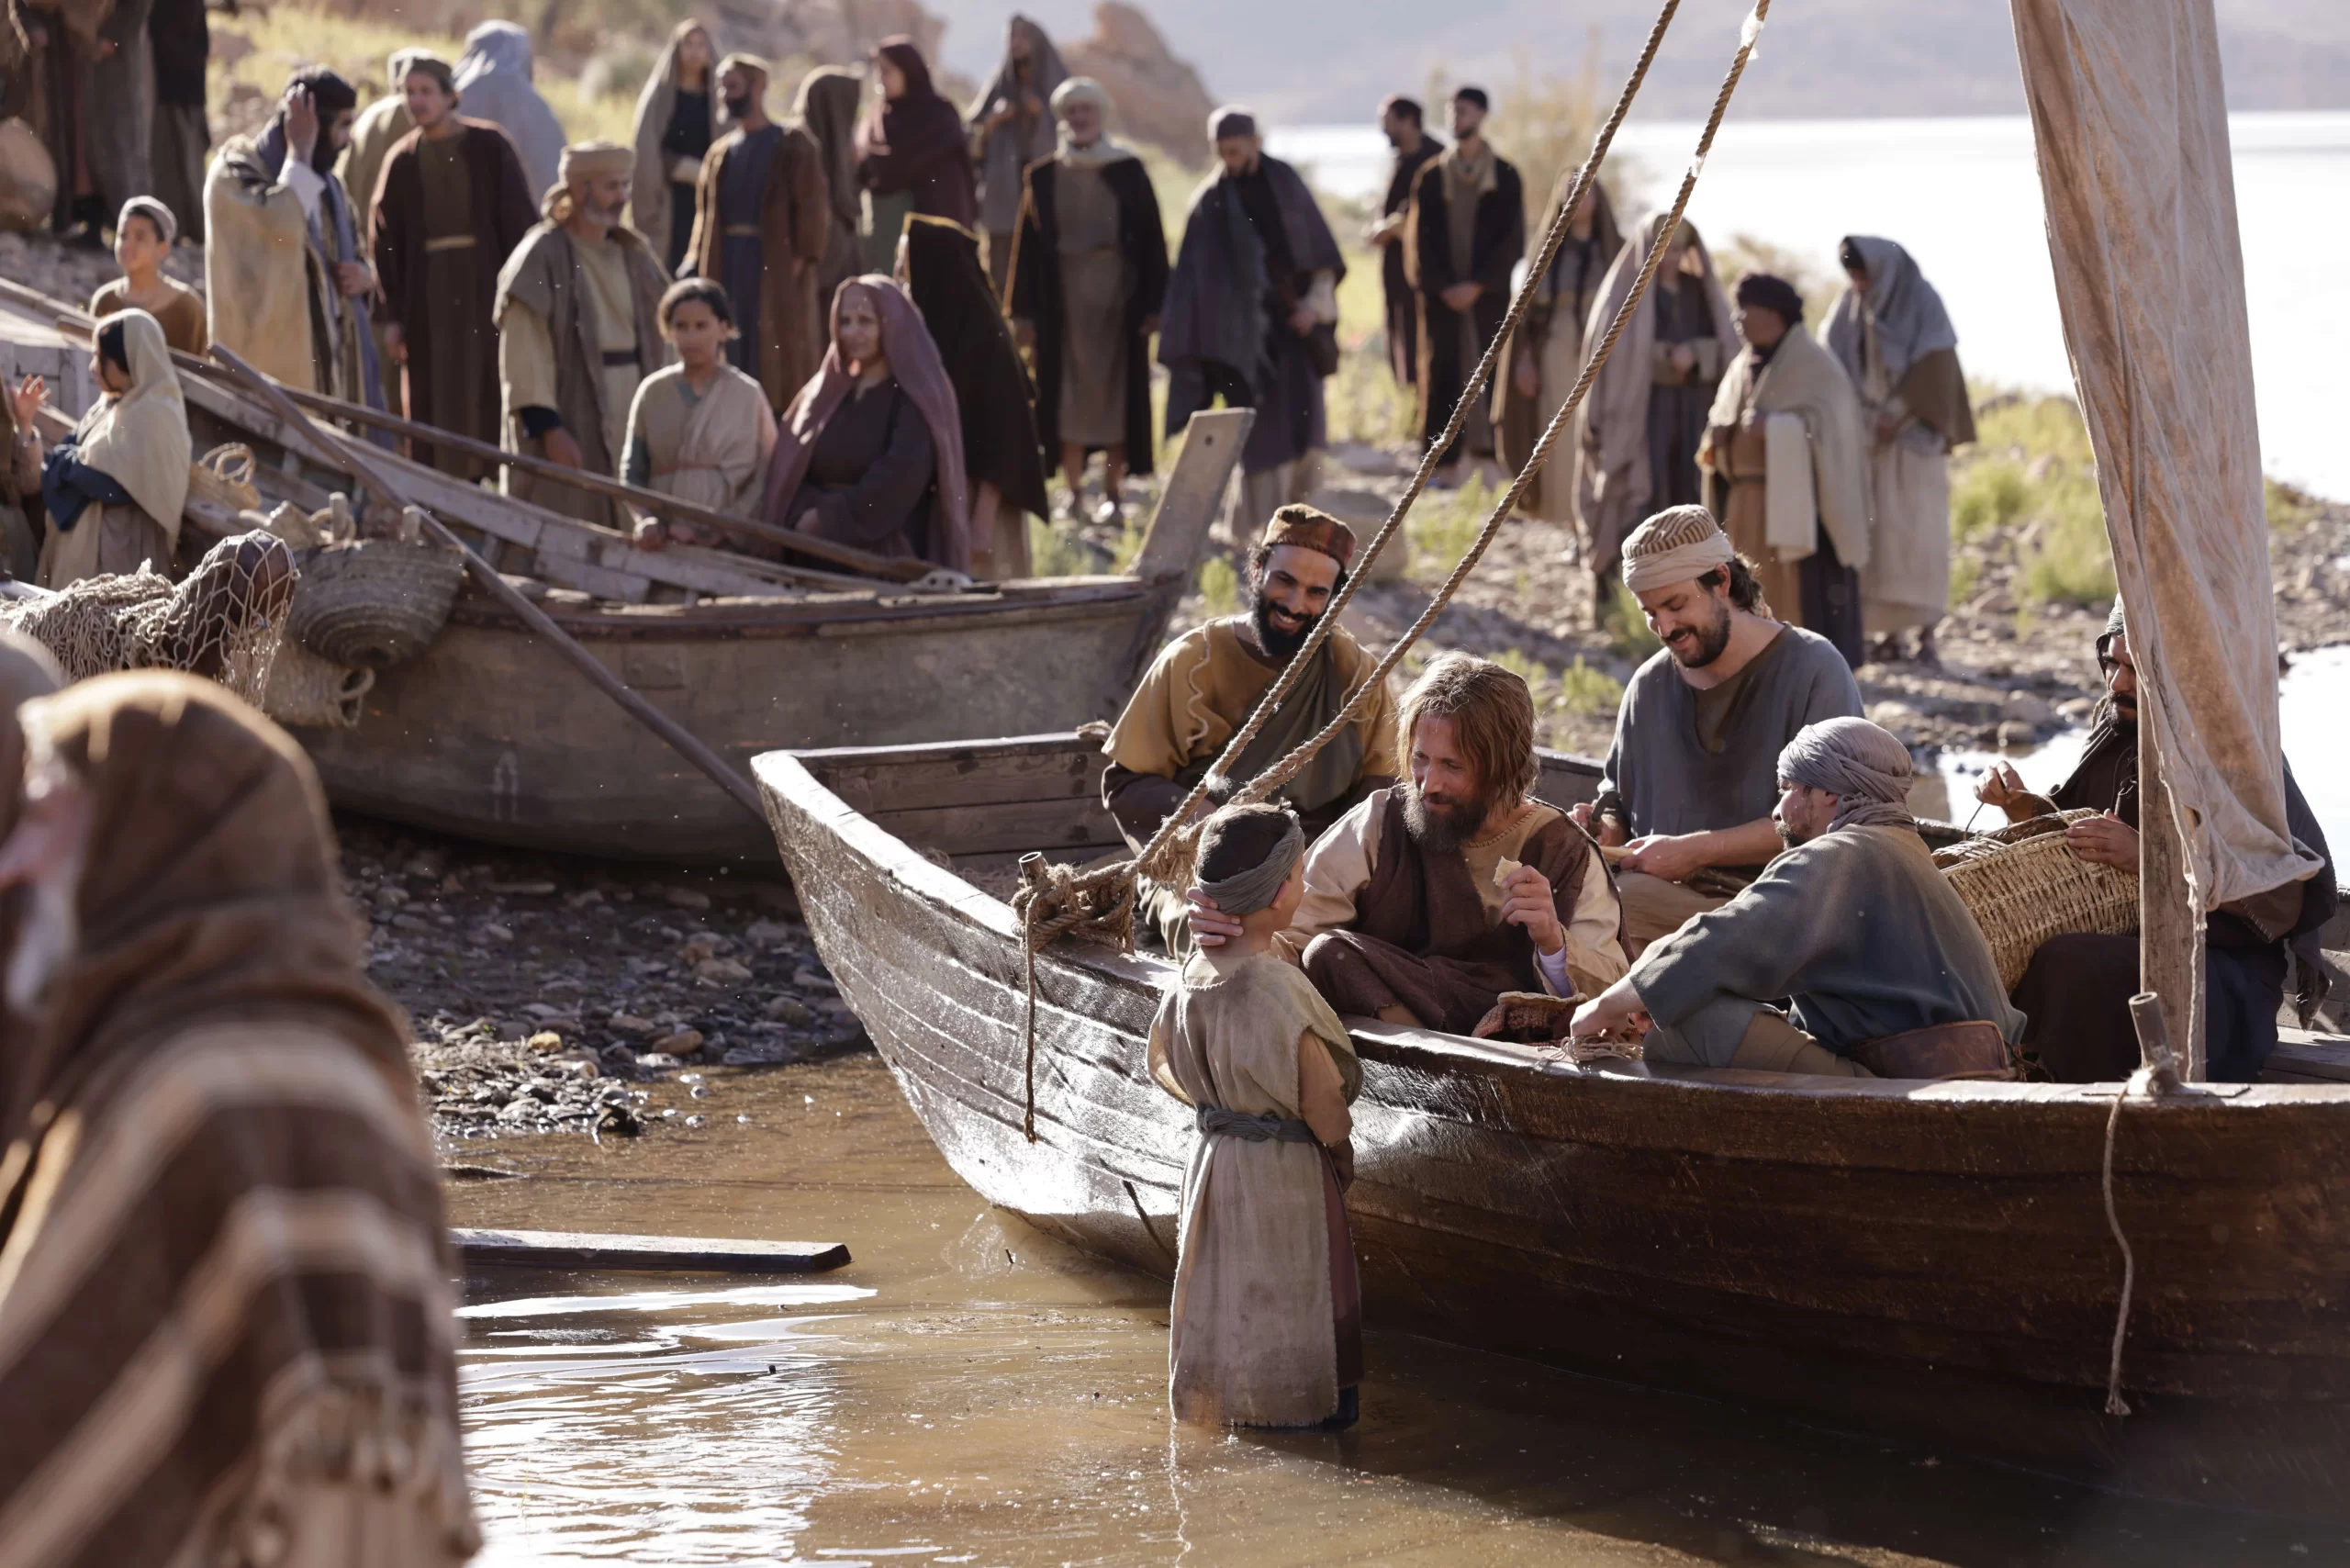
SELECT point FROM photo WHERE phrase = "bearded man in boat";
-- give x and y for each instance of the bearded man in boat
(2079, 986)
(1887, 973)
(1689, 781)
(1205, 684)
(1430, 899)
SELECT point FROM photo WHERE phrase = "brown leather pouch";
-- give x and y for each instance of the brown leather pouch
(1973, 1049)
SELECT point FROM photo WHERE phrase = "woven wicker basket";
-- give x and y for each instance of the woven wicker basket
(2023, 886)
(374, 603)
(224, 475)
(306, 691)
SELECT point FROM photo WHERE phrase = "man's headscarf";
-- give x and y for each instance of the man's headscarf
(1860, 763)
(493, 78)
(331, 95)
(1773, 293)
(1231, 121)
(154, 212)
(1310, 528)
(1678, 545)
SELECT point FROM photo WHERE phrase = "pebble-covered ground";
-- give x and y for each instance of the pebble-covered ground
(546, 991)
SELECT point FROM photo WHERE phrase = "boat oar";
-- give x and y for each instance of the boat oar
(728, 776)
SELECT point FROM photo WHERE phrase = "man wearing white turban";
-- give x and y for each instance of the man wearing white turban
(1689, 780)
(1887, 973)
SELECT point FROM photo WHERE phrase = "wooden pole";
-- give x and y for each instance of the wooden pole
(2170, 928)
(728, 776)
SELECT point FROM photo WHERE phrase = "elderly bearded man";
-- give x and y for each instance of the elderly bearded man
(1430, 899)
(579, 327)
(1203, 686)
(1853, 922)
(1689, 778)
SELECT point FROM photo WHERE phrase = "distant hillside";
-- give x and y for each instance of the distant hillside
(1320, 60)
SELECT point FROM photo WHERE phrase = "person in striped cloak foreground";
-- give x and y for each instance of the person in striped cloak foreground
(225, 1330)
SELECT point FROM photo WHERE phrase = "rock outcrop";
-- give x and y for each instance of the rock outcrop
(838, 32)
(1155, 97)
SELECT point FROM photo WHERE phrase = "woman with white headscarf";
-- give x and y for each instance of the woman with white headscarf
(113, 492)
(1889, 331)
(494, 81)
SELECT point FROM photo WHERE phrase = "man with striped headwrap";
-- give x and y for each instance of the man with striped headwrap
(1689, 783)
(1887, 972)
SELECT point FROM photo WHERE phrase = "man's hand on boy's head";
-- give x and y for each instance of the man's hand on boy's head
(1211, 927)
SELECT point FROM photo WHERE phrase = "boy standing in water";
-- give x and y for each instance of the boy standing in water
(1266, 1317)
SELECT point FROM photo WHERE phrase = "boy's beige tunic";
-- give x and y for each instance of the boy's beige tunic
(1253, 1342)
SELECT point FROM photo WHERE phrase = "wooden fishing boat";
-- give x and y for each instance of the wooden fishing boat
(490, 735)
(1928, 1261)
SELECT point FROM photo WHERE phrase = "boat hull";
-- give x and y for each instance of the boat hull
(1926, 1261)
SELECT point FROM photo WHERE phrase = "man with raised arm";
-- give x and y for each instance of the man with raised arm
(1887, 973)
(1205, 684)
(1689, 783)
(1430, 899)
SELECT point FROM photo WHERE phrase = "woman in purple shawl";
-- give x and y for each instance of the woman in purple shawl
(871, 449)
(912, 143)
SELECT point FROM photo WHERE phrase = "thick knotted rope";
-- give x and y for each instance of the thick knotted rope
(1098, 905)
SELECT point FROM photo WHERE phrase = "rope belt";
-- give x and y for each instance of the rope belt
(1217, 1122)
(742, 232)
(449, 242)
(614, 358)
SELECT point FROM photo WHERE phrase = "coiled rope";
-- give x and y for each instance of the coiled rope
(1098, 905)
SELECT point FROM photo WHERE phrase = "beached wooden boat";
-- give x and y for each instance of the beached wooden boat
(1928, 1261)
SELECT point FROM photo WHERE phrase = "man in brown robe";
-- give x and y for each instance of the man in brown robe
(1203, 686)
(1431, 898)
(1401, 120)
(1088, 279)
(760, 215)
(1467, 231)
(579, 327)
(449, 206)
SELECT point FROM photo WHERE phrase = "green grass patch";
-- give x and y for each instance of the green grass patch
(2288, 506)
(2031, 475)
(1626, 629)
(1576, 691)
(1219, 586)
(1055, 554)
(1444, 523)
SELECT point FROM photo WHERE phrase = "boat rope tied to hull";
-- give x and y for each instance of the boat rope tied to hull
(1098, 905)
(2158, 1076)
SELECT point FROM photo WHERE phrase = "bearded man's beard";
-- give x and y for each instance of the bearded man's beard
(738, 108)
(1278, 644)
(1696, 647)
(1444, 824)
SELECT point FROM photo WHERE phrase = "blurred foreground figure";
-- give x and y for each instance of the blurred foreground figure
(225, 1309)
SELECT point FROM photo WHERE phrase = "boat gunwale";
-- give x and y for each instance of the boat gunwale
(788, 775)
(736, 617)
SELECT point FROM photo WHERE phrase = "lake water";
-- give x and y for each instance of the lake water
(1963, 196)
(970, 1392)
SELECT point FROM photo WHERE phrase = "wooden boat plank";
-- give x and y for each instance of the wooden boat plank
(575, 1249)
(1919, 1259)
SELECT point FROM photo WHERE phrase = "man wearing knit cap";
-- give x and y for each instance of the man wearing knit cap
(285, 275)
(1887, 973)
(760, 215)
(450, 205)
(1782, 460)
(1690, 779)
(1436, 895)
(577, 314)
(1203, 686)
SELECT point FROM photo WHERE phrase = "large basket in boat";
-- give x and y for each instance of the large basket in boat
(375, 602)
(2023, 886)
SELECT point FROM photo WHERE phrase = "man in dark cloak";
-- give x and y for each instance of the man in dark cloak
(1468, 230)
(1886, 972)
(1090, 278)
(1401, 118)
(1431, 898)
(760, 217)
(1205, 683)
(451, 205)
(181, 41)
(1011, 123)
(2079, 986)
(1253, 311)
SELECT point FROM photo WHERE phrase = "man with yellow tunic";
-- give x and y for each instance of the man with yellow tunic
(1203, 686)
(1781, 465)
(579, 327)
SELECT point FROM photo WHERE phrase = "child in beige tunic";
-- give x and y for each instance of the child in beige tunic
(1267, 1317)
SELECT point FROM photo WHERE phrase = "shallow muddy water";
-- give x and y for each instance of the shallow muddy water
(970, 1392)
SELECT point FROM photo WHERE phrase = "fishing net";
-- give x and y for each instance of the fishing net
(224, 622)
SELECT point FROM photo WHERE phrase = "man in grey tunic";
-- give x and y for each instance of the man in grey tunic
(1689, 782)
(1853, 922)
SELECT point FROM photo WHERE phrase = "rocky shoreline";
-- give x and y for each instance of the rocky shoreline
(553, 994)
